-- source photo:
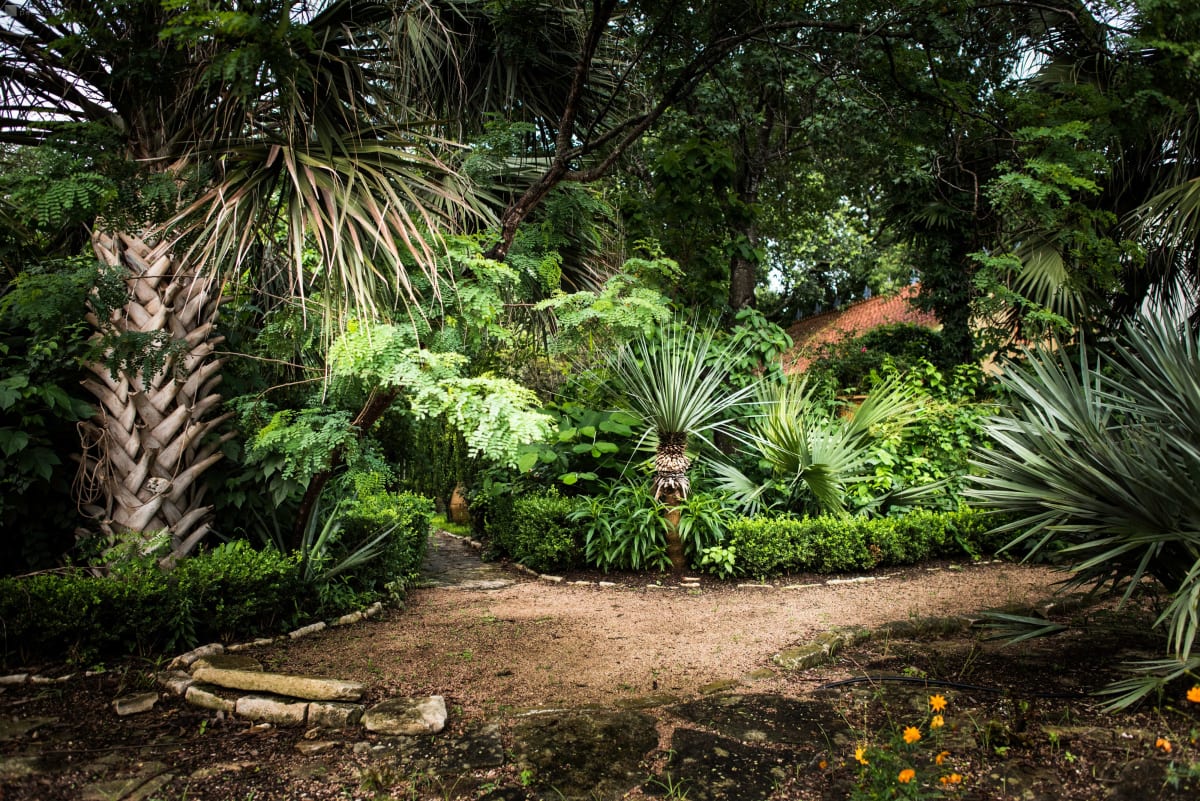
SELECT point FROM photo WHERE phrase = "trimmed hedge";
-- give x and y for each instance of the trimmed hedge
(536, 530)
(232, 589)
(768, 546)
(229, 593)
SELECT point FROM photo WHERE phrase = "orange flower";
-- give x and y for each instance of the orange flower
(911, 735)
(955, 778)
(906, 775)
(937, 722)
(1164, 744)
(937, 702)
(860, 754)
(1194, 694)
(940, 758)
(822, 764)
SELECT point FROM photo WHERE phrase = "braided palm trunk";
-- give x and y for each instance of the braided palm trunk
(153, 436)
(671, 486)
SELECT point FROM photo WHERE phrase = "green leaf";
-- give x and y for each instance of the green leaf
(527, 460)
(12, 441)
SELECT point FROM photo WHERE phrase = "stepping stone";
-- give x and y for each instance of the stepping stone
(584, 754)
(134, 704)
(271, 709)
(408, 716)
(228, 661)
(307, 687)
(709, 767)
(451, 758)
(767, 718)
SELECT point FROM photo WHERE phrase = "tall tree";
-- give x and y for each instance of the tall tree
(258, 116)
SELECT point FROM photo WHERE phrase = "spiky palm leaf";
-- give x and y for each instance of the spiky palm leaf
(1099, 458)
(676, 384)
(288, 112)
(809, 445)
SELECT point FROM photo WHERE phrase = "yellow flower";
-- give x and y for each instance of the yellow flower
(937, 722)
(1164, 744)
(937, 702)
(1194, 694)
(860, 754)
(940, 758)
(911, 735)
(906, 775)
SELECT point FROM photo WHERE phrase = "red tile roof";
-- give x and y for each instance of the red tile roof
(851, 321)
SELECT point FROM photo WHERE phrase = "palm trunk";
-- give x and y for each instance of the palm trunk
(152, 438)
(671, 486)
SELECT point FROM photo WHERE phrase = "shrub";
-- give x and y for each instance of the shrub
(765, 546)
(405, 516)
(848, 364)
(624, 529)
(232, 591)
(541, 533)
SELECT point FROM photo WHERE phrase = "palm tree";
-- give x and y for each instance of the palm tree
(814, 448)
(677, 385)
(286, 116)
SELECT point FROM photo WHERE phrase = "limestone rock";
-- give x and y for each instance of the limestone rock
(584, 754)
(407, 716)
(184, 661)
(174, 681)
(227, 661)
(307, 687)
(206, 698)
(334, 715)
(280, 711)
(304, 631)
(135, 704)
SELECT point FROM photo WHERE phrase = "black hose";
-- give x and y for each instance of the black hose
(956, 685)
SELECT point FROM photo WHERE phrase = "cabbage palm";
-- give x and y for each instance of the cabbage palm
(284, 116)
(1098, 461)
(676, 384)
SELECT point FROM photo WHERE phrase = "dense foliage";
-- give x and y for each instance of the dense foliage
(772, 545)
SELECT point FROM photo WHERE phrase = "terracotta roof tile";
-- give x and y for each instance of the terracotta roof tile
(851, 321)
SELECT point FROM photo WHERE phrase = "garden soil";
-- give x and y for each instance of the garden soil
(540, 675)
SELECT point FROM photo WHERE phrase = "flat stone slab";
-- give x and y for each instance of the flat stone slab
(407, 716)
(584, 754)
(308, 687)
(334, 714)
(768, 718)
(709, 767)
(272, 709)
(228, 661)
(451, 758)
(206, 697)
(134, 704)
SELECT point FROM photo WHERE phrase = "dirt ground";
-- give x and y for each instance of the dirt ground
(1020, 717)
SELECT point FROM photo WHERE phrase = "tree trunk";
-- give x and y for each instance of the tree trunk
(154, 436)
(367, 416)
(674, 543)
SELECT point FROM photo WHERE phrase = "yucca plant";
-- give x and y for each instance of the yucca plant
(1098, 462)
(811, 446)
(676, 384)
